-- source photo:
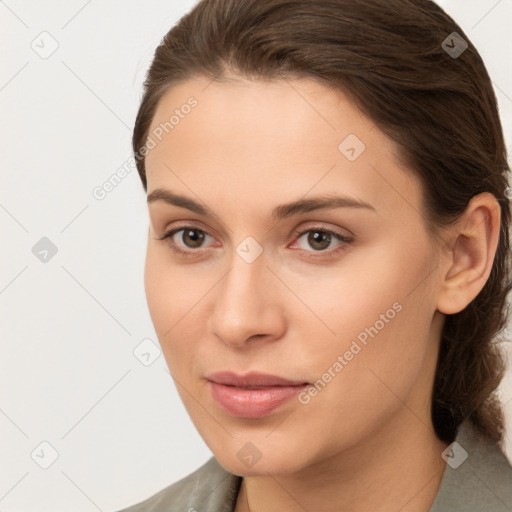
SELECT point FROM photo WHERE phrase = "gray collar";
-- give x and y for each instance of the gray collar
(477, 477)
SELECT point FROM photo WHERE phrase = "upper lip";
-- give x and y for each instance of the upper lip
(252, 379)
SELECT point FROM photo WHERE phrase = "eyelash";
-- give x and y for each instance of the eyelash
(297, 233)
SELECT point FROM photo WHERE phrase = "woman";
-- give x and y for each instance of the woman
(328, 255)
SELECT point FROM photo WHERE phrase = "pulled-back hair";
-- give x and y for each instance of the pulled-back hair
(390, 58)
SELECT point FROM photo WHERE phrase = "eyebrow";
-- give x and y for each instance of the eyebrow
(278, 213)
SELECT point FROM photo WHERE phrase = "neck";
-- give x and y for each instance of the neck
(398, 467)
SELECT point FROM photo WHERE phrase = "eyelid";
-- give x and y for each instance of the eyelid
(184, 225)
(169, 233)
(312, 226)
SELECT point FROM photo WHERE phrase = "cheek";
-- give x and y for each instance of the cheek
(174, 298)
(170, 291)
(159, 294)
(378, 311)
(365, 289)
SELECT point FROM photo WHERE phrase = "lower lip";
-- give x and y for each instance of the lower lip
(252, 403)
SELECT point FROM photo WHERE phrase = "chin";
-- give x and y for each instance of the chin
(245, 459)
(260, 468)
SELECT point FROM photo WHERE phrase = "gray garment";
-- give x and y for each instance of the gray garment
(481, 483)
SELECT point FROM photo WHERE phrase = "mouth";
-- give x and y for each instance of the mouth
(252, 380)
(253, 395)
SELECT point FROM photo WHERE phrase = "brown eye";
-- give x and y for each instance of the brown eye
(191, 240)
(319, 240)
(193, 237)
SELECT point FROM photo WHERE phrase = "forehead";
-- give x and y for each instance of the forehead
(248, 139)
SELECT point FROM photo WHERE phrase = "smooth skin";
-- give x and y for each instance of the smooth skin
(366, 440)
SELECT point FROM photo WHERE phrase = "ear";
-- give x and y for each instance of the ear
(472, 243)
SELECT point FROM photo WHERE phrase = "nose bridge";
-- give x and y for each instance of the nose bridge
(240, 294)
(245, 304)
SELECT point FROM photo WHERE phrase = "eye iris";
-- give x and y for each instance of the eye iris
(195, 235)
(319, 237)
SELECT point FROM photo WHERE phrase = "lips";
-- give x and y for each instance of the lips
(253, 395)
(252, 379)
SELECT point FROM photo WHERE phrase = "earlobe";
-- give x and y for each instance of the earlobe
(474, 241)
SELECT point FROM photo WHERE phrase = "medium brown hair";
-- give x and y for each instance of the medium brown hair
(388, 57)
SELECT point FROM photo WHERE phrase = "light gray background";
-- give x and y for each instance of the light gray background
(69, 326)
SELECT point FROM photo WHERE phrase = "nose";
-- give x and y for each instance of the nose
(247, 304)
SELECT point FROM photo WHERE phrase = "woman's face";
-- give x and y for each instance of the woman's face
(340, 297)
